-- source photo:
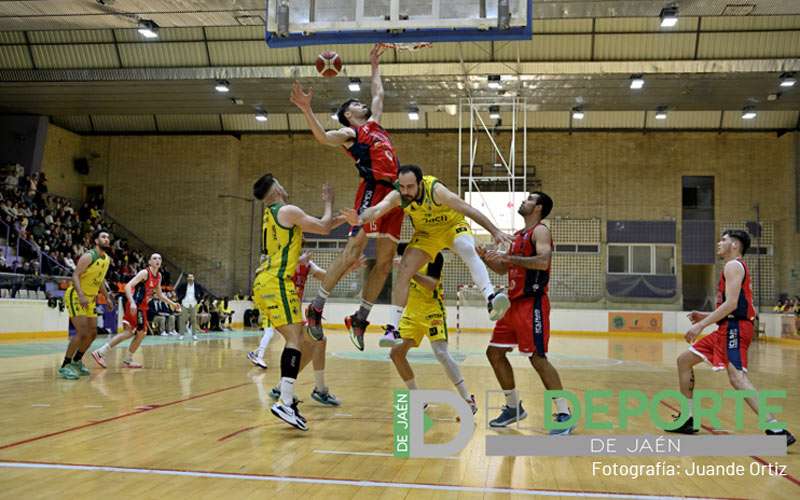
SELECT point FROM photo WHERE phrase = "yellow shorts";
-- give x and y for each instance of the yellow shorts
(74, 307)
(419, 322)
(276, 300)
(434, 241)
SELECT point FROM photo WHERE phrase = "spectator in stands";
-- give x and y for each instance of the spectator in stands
(225, 313)
(189, 294)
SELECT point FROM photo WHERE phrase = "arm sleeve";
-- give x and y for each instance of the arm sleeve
(435, 267)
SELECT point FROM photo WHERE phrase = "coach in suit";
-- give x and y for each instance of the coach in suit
(189, 295)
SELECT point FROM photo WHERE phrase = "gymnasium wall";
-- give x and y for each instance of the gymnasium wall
(165, 188)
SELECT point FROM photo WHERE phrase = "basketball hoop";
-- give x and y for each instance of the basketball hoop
(408, 47)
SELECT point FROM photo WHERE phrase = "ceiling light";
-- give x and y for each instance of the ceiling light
(222, 86)
(148, 28)
(354, 85)
(661, 113)
(577, 113)
(637, 82)
(261, 115)
(413, 113)
(494, 81)
(748, 113)
(494, 112)
(669, 16)
(788, 80)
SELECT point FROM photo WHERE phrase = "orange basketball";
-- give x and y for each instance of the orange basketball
(329, 64)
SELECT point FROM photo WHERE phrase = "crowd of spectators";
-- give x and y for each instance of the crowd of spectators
(49, 234)
(787, 305)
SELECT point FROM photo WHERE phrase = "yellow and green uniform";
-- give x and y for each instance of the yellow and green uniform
(274, 292)
(425, 313)
(91, 280)
(435, 225)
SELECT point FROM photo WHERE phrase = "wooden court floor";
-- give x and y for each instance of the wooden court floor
(195, 423)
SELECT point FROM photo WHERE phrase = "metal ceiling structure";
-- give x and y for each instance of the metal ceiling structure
(84, 64)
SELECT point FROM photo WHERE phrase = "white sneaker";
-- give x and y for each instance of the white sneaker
(498, 305)
(290, 415)
(173, 333)
(194, 337)
(164, 334)
(180, 338)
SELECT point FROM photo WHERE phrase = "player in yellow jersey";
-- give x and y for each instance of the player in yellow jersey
(88, 280)
(274, 292)
(425, 314)
(438, 218)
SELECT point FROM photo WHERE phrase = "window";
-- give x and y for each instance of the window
(574, 248)
(641, 259)
(618, 258)
(499, 207)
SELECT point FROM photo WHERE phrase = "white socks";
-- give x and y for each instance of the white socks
(464, 247)
(411, 384)
(561, 405)
(461, 387)
(512, 398)
(690, 404)
(265, 339)
(287, 390)
(395, 313)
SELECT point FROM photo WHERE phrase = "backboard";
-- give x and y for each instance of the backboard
(292, 23)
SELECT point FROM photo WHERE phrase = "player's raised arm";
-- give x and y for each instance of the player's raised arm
(377, 83)
(290, 215)
(446, 197)
(302, 100)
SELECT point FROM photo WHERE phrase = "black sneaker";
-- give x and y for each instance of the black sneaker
(783, 432)
(290, 415)
(686, 428)
(356, 327)
(314, 322)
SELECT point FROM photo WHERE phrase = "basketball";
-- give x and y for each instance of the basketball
(329, 64)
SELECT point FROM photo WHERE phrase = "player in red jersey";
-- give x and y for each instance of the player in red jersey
(147, 283)
(526, 325)
(369, 145)
(726, 347)
(317, 350)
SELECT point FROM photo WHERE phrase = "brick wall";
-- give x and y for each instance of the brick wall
(165, 187)
(61, 148)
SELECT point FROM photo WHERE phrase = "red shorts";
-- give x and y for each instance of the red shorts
(726, 344)
(138, 320)
(370, 194)
(526, 326)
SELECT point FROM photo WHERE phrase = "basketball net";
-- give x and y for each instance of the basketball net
(409, 47)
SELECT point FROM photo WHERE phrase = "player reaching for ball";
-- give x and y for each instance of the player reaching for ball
(369, 145)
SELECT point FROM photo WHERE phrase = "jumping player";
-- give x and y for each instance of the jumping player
(438, 218)
(369, 145)
(274, 292)
(726, 347)
(320, 393)
(426, 315)
(527, 324)
(147, 282)
(80, 300)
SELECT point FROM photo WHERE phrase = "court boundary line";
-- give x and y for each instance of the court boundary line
(138, 411)
(22, 464)
(758, 459)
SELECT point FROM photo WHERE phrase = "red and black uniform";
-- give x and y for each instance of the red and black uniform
(141, 296)
(729, 342)
(300, 277)
(377, 164)
(526, 325)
